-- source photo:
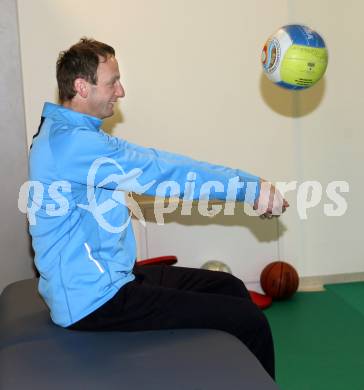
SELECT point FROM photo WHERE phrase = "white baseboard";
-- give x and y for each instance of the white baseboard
(316, 283)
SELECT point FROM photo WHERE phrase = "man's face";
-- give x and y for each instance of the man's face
(104, 94)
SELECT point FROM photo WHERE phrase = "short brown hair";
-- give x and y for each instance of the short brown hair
(80, 60)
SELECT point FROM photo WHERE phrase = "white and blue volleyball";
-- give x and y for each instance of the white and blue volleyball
(295, 57)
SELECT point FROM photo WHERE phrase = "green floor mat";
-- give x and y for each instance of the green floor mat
(319, 342)
(352, 293)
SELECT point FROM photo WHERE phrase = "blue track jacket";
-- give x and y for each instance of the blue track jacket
(83, 240)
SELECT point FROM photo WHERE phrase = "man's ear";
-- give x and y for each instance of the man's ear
(81, 87)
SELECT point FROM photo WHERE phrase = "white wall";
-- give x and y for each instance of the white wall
(16, 259)
(194, 85)
(329, 139)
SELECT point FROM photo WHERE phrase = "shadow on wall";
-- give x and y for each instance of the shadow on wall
(110, 123)
(289, 103)
(264, 230)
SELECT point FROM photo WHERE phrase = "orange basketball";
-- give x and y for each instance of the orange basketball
(279, 280)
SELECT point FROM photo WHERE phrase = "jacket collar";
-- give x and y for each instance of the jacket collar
(58, 112)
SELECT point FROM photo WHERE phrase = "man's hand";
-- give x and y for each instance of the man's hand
(270, 202)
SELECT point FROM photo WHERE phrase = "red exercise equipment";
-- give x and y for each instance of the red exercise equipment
(158, 260)
(261, 300)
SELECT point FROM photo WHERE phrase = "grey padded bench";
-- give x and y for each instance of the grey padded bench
(36, 354)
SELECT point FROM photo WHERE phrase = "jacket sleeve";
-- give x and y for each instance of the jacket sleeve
(97, 159)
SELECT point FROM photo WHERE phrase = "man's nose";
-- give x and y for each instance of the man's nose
(120, 91)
